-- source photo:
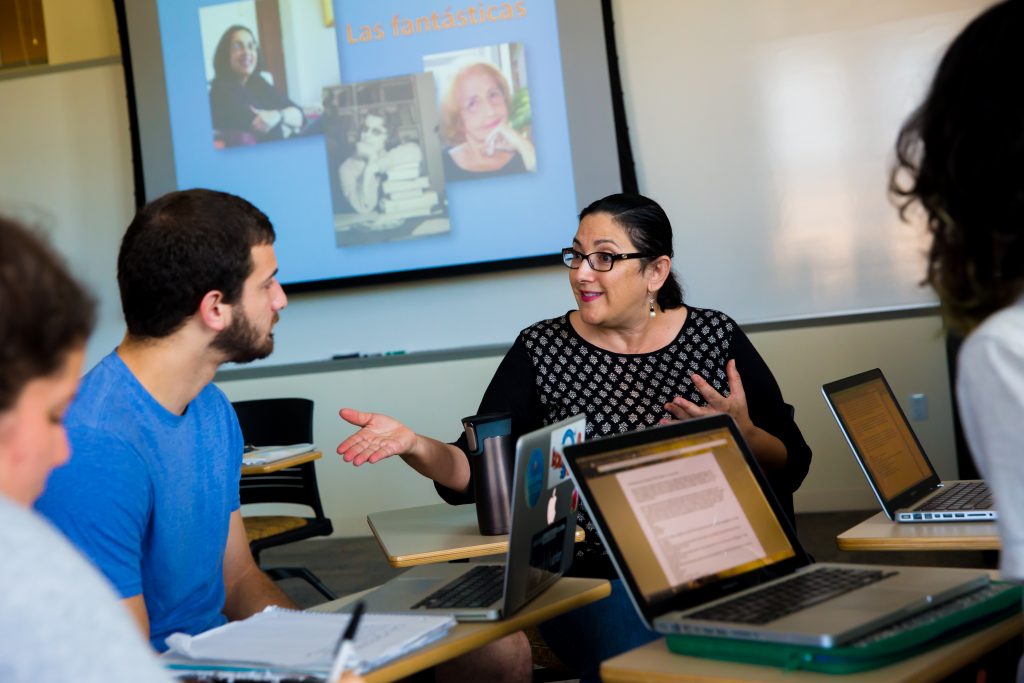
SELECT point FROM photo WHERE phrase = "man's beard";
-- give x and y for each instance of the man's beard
(242, 342)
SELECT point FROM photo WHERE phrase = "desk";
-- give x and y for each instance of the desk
(565, 595)
(434, 533)
(878, 533)
(654, 663)
(268, 467)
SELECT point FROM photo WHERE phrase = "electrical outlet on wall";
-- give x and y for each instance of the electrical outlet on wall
(918, 407)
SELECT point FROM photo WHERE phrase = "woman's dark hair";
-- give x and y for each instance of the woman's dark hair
(181, 246)
(222, 55)
(649, 230)
(960, 156)
(392, 122)
(44, 312)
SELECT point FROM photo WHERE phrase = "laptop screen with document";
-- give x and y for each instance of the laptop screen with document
(683, 510)
(881, 438)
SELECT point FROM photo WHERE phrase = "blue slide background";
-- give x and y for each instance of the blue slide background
(500, 218)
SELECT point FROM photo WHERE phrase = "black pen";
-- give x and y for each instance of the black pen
(344, 650)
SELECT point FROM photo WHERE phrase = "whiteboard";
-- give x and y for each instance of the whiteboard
(766, 129)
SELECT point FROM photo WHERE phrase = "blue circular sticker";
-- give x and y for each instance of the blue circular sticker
(534, 476)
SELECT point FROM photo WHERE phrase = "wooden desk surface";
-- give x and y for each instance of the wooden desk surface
(878, 533)
(654, 663)
(565, 595)
(435, 533)
(268, 467)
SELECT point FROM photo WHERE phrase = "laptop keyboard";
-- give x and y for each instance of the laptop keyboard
(791, 595)
(479, 587)
(964, 495)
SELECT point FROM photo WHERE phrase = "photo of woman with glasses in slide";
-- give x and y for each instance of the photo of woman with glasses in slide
(632, 355)
(476, 113)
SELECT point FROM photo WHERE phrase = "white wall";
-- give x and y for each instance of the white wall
(766, 127)
(66, 165)
(311, 51)
(911, 352)
(66, 148)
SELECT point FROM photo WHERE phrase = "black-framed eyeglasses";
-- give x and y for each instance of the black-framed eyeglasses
(601, 261)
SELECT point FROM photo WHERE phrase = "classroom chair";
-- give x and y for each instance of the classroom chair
(278, 422)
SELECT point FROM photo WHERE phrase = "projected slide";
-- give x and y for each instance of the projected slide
(378, 136)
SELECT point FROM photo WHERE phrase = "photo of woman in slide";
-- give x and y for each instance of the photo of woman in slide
(245, 107)
(385, 165)
(484, 121)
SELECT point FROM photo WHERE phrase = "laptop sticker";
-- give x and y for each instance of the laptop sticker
(534, 476)
(573, 434)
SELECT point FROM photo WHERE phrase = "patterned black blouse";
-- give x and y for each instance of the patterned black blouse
(552, 373)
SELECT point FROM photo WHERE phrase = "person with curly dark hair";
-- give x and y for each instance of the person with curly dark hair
(960, 158)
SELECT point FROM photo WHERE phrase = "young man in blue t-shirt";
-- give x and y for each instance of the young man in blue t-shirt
(151, 494)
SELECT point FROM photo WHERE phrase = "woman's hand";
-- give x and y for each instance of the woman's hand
(380, 437)
(735, 404)
(508, 139)
(292, 117)
(768, 449)
(266, 120)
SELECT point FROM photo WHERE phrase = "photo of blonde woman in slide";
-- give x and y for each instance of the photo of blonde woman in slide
(485, 112)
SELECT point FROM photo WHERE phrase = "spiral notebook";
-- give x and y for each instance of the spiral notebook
(268, 454)
(290, 642)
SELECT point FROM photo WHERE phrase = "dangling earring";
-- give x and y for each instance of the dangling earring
(651, 304)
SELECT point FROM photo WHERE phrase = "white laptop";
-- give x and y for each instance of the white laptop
(540, 549)
(703, 546)
(892, 459)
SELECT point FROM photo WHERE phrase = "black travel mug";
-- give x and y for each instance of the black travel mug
(490, 459)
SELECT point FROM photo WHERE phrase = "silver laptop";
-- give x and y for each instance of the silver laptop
(892, 459)
(703, 546)
(540, 549)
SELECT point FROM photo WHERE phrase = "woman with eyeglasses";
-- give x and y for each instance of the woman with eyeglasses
(245, 108)
(377, 149)
(632, 355)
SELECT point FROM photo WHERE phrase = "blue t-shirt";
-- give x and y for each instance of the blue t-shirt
(147, 495)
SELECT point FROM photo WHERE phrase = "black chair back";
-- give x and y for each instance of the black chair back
(279, 422)
(275, 421)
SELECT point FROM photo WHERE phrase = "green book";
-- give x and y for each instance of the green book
(907, 638)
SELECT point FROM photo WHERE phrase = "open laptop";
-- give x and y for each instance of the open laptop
(540, 549)
(892, 459)
(703, 546)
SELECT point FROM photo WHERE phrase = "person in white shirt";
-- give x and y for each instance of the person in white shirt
(960, 158)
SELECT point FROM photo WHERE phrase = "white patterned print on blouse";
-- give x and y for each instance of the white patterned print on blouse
(621, 392)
